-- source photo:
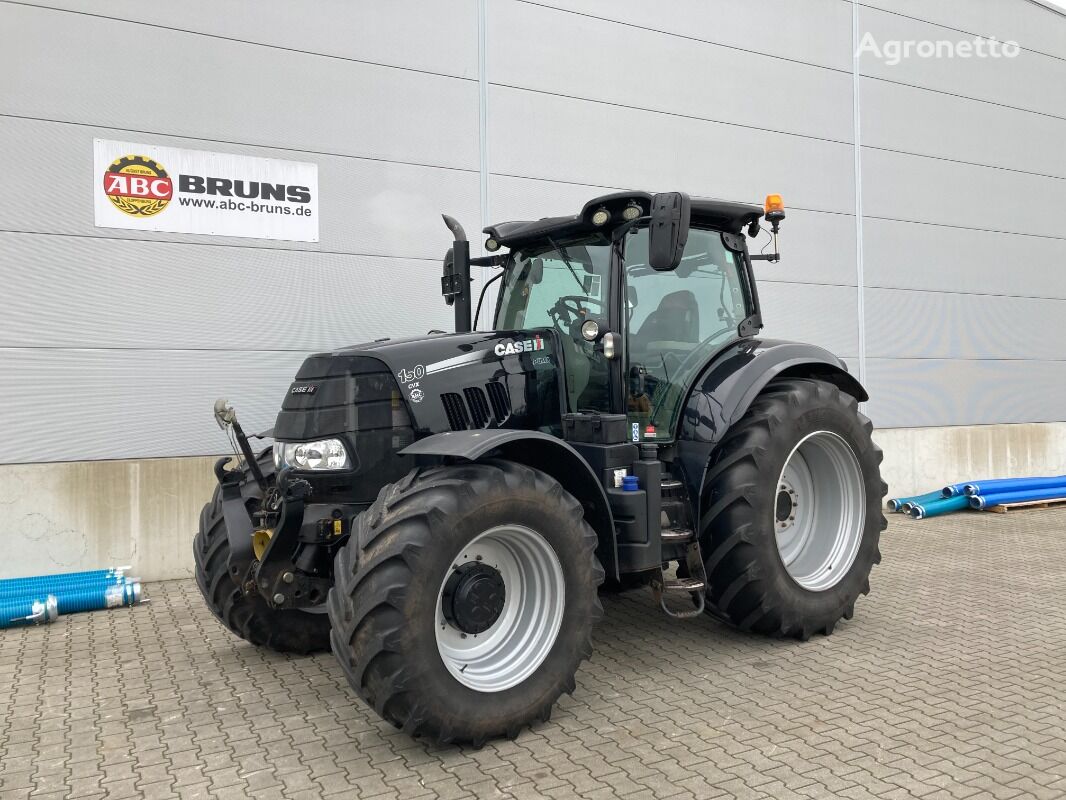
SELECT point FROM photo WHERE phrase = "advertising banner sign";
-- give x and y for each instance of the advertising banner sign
(151, 188)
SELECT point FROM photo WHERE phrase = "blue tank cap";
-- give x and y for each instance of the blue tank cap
(630, 483)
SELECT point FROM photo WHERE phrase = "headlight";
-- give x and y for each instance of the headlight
(320, 456)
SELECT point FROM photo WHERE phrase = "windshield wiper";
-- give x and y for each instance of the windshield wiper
(566, 261)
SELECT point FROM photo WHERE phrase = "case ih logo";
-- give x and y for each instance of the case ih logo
(138, 186)
(526, 346)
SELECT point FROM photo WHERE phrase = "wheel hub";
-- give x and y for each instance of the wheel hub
(473, 597)
(507, 585)
(785, 507)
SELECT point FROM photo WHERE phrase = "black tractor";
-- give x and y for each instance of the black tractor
(442, 511)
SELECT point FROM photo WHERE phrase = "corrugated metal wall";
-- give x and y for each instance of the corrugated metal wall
(114, 343)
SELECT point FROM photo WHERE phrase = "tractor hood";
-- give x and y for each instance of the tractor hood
(430, 384)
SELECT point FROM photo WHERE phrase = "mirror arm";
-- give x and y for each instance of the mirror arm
(488, 261)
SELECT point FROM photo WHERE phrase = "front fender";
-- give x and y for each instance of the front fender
(540, 451)
(727, 387)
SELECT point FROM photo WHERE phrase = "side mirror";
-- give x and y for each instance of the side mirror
(637, 386)
(536, 272)
(671, 213)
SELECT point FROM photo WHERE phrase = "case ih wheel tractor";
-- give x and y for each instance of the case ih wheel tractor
(442, 510)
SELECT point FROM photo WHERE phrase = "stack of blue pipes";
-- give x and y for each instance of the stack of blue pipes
(981, 494)
(40, 599)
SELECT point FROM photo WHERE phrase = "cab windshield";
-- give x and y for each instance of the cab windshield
(560, 283)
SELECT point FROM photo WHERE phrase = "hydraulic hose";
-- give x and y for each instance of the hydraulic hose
(945, 505)
(1015, 485)
(28, 611)
(1024, 496)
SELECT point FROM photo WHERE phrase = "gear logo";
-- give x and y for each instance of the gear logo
(138, 186)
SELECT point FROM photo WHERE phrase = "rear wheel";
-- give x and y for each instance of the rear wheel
(465, 599)
(792, 512)
(248, 615)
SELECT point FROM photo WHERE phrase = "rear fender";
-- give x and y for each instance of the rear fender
(540, 451)
(731, 382)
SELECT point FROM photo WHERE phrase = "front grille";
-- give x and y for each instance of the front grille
(340, 394)
(477, 407)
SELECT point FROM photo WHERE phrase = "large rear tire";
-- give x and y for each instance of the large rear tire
(248, 615)
(465, 599)
(791, 512)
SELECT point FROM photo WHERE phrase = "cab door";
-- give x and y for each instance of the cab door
(675, 322)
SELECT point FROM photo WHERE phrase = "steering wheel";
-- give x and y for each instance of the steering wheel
(568, 313)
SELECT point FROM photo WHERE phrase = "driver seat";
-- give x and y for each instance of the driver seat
(674, 325)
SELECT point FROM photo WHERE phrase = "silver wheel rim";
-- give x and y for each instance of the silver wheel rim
(820, 511)
(522, 636)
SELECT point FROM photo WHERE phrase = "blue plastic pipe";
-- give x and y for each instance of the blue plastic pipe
(93, 598)
(92, 573)
(954, 489)
(114, 572)
(28, 611)
(1015, 485)
(903, 504)
(1025, 496)
(53, 584)
(945, 505)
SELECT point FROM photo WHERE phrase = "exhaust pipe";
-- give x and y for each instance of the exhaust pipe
(455, 285)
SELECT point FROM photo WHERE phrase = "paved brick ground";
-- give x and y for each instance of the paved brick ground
(949, 683)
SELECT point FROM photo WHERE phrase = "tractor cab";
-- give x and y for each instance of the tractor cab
(634, 331)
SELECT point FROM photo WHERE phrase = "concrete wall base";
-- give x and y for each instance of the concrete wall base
(919, 460)
(90, 514)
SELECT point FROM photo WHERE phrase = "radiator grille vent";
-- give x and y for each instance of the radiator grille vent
(479, 406)
(500, 400)
(455, 408)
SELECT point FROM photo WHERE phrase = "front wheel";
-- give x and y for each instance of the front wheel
(248, 615)
(465, 600)
(792, 512)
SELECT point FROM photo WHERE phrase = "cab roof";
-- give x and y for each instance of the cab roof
(718, 214)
